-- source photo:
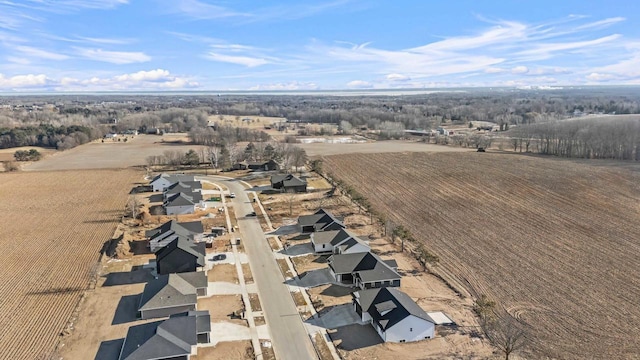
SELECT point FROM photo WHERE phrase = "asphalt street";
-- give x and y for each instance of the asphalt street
(288, 334)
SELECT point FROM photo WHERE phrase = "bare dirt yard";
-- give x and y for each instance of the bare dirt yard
(110, 154)
(223, 272)
(223, 308)
(554, 242)
(232, 350)
(54, 225)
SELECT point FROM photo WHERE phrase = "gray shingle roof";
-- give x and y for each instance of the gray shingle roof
(170, 338)
(321, 219)
(179, 199)
(185, 229)
(168, 291)
(287, 180)
(398, 304)
(368, 266)
(196, 250)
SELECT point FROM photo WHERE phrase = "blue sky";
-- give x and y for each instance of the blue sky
(116, 45)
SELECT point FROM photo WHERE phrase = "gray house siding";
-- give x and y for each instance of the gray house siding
(164, 312)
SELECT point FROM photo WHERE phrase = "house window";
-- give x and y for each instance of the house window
(410, 329)
(403, 340)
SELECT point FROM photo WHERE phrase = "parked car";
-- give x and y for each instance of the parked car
(481, 150)
(219, 257)
(232, 195)
(253, 213)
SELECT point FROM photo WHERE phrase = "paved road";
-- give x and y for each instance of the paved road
(288, 334)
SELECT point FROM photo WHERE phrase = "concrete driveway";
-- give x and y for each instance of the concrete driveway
(285, 230)
(337, 316)
(298, 250)
(231, 259)
(313, 278)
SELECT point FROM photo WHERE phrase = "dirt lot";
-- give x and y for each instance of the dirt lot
(107, 312)
(554, 242)
(98, 155)
(221, 308)
(232, 350)
(223, 272)
(48, 219)
(309, 262)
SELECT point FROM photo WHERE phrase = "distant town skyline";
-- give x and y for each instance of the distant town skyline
(198, 45)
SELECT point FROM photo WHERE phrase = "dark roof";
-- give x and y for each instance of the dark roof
(333, 237)
(172, 178)
(203, 320)
(183, 228)
(287, 180)
(170, 338)
(178, 199)
(169, 291)
(189, 186)
(320, 219)
(369, 267)
(196, 250)
(394, 302)
(353, 241)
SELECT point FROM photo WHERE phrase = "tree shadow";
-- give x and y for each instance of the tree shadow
(141, 189)
(128, 277)
(157, 210)
(109, 349)
(353, 337)
(139, 247)
(101, 221)
(127, 310)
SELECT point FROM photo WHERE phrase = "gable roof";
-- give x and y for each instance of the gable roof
(196, 250)
(368, 266)
(320, 219)
(388, 306)
(287, 180)
(172, 178)
(183, 228)
(189, 186)
(168, 291)
(179, 199)
(203, 320)
(353, 241)
(170, 338)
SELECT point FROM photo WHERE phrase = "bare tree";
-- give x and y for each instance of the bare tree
(214, 156)
(133, 206)
(505, 333)
(298, 157)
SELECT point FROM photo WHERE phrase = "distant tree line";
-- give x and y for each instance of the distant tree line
(46, 135)
(617, 139)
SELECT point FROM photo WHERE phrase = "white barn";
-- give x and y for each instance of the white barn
(394, 315)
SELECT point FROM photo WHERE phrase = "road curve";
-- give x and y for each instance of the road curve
(288, 334)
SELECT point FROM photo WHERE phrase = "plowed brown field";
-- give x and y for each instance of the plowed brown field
(556, 243)
(52, 228)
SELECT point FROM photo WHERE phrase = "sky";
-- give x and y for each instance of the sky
(208, 45)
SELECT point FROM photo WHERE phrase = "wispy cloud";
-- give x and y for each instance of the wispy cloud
(239, 60)
(40, 54)
(72, 5)
(199, 10)
(114, 57)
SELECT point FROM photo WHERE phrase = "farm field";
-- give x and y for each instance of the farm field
(554, 242)
(320, 149)
(53, 226)
(112, 154)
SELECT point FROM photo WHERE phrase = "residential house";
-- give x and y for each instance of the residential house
(338, 242)
(269, 165)
(364, 270)
(192, 188)
(163, 181)
(171, 294)
(394, 315)
(180, 203)
(321, 220)
(242, 165)
(171, 230)
(180, 256)
(288, 183)
(174, 338)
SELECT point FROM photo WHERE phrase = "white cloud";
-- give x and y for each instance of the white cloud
(600, 77)
(23, 81)
(601, 23)
(547, 50)
(293, 85)
(41, 54)
(494, 70)
(200, 10)
(359, 84)
(520, 70)
(114, 57)
(397, 77)
(235, 59)
(158, 79)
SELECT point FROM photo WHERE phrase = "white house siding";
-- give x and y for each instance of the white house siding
(411, 328)
(160, 184)
(180, 210)
(321, 248)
